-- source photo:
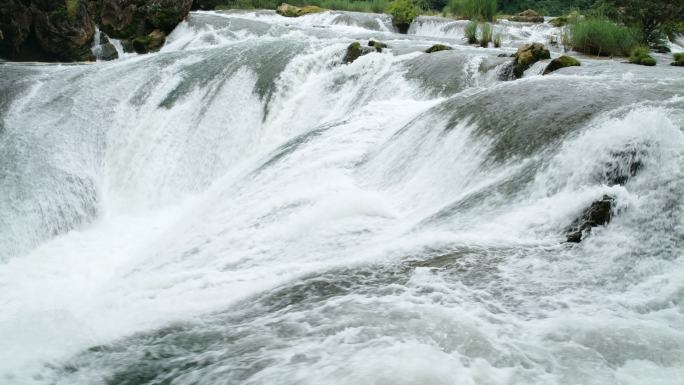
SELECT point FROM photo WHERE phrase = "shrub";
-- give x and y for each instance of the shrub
(678, 59)
(403, 12)
(481, 10)
(497, 40)
(485, 34)
(601, 37)
(641, 55)
(471, 32)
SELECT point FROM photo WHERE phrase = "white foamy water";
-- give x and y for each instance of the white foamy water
(241, 208)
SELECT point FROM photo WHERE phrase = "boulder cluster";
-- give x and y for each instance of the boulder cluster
(64, 30)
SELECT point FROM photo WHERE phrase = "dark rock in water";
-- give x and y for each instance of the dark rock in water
(108, 52)
(379, 46)
(437, 48)
(150, 43)
(598, 214)
(403, 27)
(623, 166)
(527, 55)
(529, 16)
(104, 39)
(127, 46)
(503, 55)
(561, 62)
(354, 51)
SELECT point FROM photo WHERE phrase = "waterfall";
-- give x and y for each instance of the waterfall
(242, 208)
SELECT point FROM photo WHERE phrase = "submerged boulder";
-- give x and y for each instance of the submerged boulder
(529, 16)
(378, 45)
(108, 52)
(527, 55)
(288, 10)
(622, 166)
(355, 51)
(561, 62)
(437, 48)
(598, 214)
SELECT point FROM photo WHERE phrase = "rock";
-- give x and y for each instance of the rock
(288, 10)
(354, 51)
(598, 214)
(529, 16)
(127, 45)
(623, 165)
(150, 43)
(136, 18)
(503, 55)
(63, 30)
(437, 48)
(527, 55)
(108, 52)
(678, 60)
(379, 46)
(561, 62)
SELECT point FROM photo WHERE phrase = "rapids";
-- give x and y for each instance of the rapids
(240, 208)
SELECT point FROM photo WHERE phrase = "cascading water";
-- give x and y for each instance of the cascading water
(240, 208)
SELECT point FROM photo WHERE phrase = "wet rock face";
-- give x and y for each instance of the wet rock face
(623, 166)
(63, 30)
(598, 214)
(46, 30)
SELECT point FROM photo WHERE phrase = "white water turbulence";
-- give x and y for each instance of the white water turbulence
(242, 208)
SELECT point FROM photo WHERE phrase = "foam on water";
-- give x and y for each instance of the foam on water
(241, 208)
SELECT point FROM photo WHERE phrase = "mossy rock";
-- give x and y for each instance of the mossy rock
(378, 45)
(288, 10)
(108, 52)
(559, 21)
(527, 55)
(437, 48)
(355, 51)
(561, 62)
(678, 60)
(150, 43)
(529, 16)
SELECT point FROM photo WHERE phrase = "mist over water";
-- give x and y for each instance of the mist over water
(241, 208)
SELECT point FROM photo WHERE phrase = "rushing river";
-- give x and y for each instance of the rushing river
(240, 208)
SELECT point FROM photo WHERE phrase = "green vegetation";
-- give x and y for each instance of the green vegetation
(601, 37)
(437, 48)
(497, 40)
(403, 12)
(678, 59)
(165, 19)
(485, 35)
(641, 55)
(71, 9)
(481, 10)
(471, 32)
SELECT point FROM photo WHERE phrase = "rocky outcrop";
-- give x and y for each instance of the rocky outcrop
(529, 16)
(561, 62)
(152, 42)
(527, 55)
(437, 48)
(288, 10)
(63, 30)
(598, 214)
(355, 51)
(46, 30)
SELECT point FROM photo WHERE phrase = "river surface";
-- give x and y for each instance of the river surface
(241, 208)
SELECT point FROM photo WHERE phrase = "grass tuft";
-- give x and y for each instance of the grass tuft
(601, 37)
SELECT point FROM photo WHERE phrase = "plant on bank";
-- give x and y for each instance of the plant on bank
(601, 37)
(403, 12)
(641, 55)
(480, 10)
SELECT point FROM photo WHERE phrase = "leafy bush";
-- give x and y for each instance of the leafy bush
(601, 37)
(641, 55)
(403, 12)
(471, 32)
(481, 10)
(485, 34)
